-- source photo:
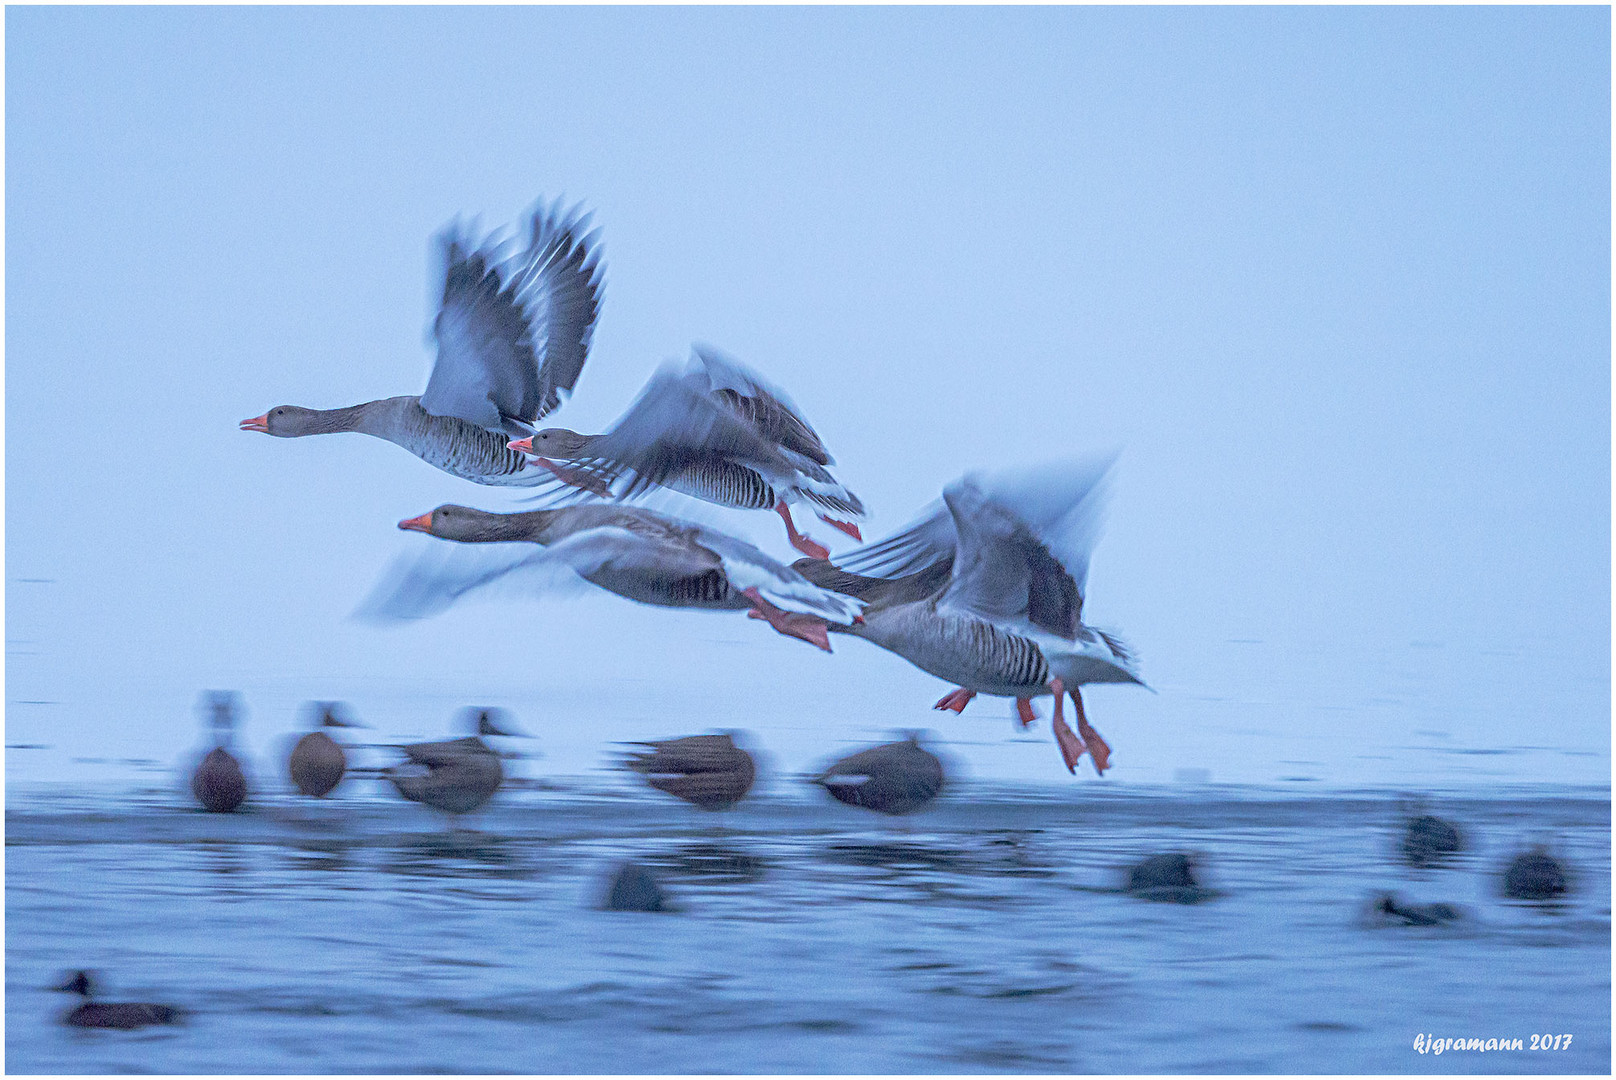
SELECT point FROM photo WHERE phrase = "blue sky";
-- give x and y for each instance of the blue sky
(1337, 281)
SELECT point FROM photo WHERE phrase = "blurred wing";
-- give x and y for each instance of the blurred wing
(1024, 544)
(877, 591)
(747, 567)
(765, 408)
(564, 277)
(499, 319)
(672, 425)
(921, 545)
(437, 577)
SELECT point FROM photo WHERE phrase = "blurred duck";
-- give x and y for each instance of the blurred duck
(894, 778)
(1428, 840)
(714, 431)
(317, 763)
(626, 550)
(122, 1015)
(1535, 875)
(456, 776)
(1005, 559)
(708, 771)
(512, 336)
(218, 782)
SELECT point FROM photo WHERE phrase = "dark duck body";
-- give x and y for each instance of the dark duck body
(219, 783)
(456, 776)
(318, 762)
(707, 771)
(119, 1015)
(894, 778)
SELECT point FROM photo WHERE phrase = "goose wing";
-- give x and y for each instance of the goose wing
(785, 588)
(766, 408)
(921, 544)
(513, 333)
(1024, 544)
(435, 578)
(673, 424)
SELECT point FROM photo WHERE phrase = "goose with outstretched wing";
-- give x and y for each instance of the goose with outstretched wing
(712, 430)
(628, 550)
(990, 595)
(512, 332)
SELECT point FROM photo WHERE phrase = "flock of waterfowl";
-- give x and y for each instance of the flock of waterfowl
(984, 591)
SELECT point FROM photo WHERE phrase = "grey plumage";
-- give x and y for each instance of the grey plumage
(512, 334)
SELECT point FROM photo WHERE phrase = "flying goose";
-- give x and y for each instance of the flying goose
(714, 431)
(512, 337)
(218, 782)
(122, 1015)
(1005, 618)
(708, 771)
(455, 776)
(894, 778)
(633, 552)
(317, 763)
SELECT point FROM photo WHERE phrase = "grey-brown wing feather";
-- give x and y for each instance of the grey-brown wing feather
(672, 426)
(513, 333)
(765, 408)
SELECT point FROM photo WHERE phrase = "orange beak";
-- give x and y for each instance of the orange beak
(524, 445)
(418, 524)
(257, 423)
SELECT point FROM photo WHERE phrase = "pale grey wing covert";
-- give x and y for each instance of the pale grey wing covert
(513, 333)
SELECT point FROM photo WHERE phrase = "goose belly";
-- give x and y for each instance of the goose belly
(466, 450)
(724, 483)
(966, 652)
(708, 590)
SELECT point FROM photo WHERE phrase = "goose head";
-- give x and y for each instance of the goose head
(462, 523)
(290, 421)
(558, 443)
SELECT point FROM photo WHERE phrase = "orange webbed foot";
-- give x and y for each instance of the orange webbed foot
(956, 700)
(1025, 712)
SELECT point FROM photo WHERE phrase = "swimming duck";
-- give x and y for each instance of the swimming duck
(627, 550)
(456, 776)
(714, 431)
(709, 771)
(893, 778)
(512, 337)
(218, 782)
(317, 763)
(1006, 621)
(123, 1015)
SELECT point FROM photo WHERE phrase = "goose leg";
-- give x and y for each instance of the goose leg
(1025, 711)
(810, 628)
(1071, 747)
(798, 540)
(956, 700)
(848, 527)
(1099, 752)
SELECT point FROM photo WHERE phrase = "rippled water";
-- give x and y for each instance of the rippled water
(980, 936)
